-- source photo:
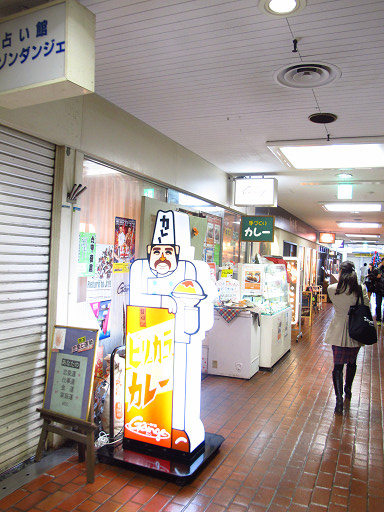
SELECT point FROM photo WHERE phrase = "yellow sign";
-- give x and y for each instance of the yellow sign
(149, 375)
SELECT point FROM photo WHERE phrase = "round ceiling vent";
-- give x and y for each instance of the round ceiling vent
(307, 75)
(322, 118)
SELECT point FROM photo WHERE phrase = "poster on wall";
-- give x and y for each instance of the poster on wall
(71, 369)
(87, 254)
(99, 285)
(212, 240)
(101, 311)
(124, 245)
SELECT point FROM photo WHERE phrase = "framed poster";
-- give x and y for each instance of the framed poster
(71, 369)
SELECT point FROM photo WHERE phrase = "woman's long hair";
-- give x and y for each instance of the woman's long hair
(348, 279)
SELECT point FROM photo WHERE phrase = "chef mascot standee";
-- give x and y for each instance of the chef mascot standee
(170, 309)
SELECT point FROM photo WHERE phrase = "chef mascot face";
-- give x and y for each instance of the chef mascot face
(163, 259)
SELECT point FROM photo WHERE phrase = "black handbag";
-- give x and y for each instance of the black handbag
(360, 323)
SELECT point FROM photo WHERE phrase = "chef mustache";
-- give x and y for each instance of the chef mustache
(167, 262)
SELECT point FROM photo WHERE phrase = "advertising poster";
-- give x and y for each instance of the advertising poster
(101, 311)
(124, 244)
(87, 254)
(213, 240)
(99, 285)
(149, 375)
(71, 369)
(252, 280)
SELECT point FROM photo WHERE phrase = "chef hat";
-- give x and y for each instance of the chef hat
(164, 232)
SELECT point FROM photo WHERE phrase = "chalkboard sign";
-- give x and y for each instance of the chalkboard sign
(69, 383)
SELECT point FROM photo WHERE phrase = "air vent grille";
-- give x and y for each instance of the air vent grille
(307, 75)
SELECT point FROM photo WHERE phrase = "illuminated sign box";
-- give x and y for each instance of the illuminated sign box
(47, 54)
(327, 238)
(256, 192)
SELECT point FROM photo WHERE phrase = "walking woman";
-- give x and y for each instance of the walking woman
(343, 294)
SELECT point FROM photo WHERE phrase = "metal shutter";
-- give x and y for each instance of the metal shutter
(26, 186)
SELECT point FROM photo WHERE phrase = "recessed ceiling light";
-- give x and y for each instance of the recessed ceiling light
(344, 175)
(344, 191)
(350, 235)
(333, 156)
(352, 207)
(358, 225)
(281, 8)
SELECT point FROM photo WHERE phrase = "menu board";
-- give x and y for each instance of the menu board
(69, 383)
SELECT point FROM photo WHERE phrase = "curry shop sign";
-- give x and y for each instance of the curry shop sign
(257, 229)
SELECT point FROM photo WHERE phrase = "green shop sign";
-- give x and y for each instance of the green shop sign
(257, 229)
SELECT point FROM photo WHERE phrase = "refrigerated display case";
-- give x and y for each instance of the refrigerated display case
(266, 285)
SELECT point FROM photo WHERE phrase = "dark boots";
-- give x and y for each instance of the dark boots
(349, 376)
(337, 376)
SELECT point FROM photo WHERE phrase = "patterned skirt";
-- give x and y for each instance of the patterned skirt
(344, 355)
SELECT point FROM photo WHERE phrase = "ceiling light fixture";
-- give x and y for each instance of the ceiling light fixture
(359, 225)
(351, 235)
(281, 8)
(328, 155)
(352, 207)
(344, 191)
(344, 175)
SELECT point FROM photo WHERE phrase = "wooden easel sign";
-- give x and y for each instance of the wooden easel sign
(69, 385)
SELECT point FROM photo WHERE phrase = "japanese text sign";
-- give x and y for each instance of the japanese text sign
(46, 53)
(70, 375)
(257, 229)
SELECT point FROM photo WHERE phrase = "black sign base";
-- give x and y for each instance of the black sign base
(179, 471)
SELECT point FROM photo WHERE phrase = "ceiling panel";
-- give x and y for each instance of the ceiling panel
(202, 73)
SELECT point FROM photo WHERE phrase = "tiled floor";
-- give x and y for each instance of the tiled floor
(284, 448)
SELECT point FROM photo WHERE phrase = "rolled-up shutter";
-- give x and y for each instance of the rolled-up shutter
(26, 186)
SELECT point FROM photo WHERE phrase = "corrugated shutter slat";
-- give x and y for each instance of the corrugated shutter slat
(26, 187)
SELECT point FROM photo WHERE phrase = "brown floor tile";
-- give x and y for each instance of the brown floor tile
(284, 449)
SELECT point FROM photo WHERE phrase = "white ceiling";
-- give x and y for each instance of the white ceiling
(202, 73)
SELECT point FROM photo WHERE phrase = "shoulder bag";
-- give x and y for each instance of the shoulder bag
(360, 323)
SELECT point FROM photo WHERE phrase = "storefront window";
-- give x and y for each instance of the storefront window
(108, 243)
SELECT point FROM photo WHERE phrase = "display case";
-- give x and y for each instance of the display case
(266, 285)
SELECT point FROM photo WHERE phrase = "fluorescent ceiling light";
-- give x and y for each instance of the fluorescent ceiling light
(366, 225)
(350, 235)
(352, 207)
(344, 175)
(344, 191)
(334, 156)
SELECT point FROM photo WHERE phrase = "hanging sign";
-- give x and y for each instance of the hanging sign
(257, 229)
(47, 53)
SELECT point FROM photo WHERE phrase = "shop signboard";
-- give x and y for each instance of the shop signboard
(47, 53)
(170, 309)
(257, 229)
(71, 369)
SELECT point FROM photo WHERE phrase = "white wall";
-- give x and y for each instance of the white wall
(97, 128)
